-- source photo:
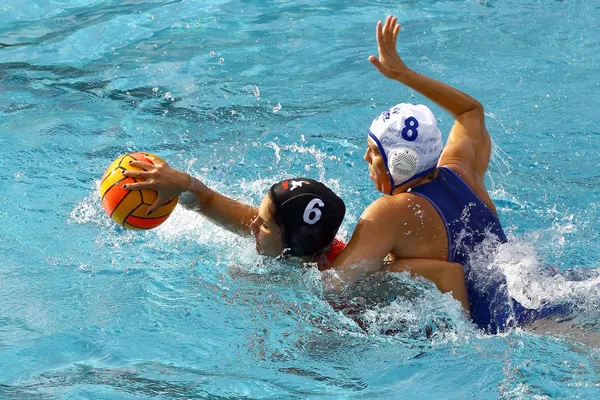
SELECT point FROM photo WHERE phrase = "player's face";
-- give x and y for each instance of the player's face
(377, 171)
(267, 232)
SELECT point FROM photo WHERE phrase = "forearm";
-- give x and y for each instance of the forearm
(230, 214)
(450, 99)
(337, 279)
(448, 277)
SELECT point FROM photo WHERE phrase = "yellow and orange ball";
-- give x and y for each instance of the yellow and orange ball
(128, 207)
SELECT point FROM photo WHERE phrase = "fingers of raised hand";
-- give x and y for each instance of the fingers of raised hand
(391, 24)
(395, 36)
(390, 31)
(385, 31)
(386, 24)
(379, 32)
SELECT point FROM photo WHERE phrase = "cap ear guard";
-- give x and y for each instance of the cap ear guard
(402, 164)
(308, 240)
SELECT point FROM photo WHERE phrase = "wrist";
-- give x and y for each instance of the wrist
(403, 74)
(188, 186)
(197, 195)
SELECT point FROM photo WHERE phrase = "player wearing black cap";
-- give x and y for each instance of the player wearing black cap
(309, 214)
(298, 217)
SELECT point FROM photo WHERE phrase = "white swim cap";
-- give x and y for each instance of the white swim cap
(409, 140)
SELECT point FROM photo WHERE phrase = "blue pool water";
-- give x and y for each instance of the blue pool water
(242, 94)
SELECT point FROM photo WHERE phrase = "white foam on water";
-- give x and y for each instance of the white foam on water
(276, 149)
(532, 283)
(89, 210)
(319, 156)
(399, 306)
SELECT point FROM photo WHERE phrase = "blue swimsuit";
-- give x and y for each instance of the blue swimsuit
(468, 223)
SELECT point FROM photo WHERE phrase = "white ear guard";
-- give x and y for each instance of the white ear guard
(402, 164)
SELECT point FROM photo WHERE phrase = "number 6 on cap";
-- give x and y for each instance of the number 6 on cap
(312, 211)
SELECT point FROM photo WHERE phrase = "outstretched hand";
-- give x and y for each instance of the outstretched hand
(168, 182)
(389, 62)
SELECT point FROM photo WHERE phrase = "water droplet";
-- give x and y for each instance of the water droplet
(221, 60)
(212, 53)
(277, 108)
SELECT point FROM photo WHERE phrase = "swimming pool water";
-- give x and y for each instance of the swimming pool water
(243, 94)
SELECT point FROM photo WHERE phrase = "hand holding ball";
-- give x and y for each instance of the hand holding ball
(138, 206)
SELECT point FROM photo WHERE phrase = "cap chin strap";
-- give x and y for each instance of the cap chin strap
(277, 217)
(384, 156)
(420, 174)
(387, 168)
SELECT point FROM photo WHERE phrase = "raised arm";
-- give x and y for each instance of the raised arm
(195, 195)
(469, 143)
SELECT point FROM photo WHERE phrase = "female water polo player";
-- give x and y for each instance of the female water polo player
(438, 206)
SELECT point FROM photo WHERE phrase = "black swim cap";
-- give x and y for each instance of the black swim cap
(309, 213)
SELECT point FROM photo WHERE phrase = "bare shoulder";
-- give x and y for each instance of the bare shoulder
(405, 213)
(417, 228)
(394, 208)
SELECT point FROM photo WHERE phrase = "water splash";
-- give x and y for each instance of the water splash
(89, 210)
(534, 284)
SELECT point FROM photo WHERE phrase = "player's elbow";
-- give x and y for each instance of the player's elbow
(475, 110)
(449, 276)
(473, 116)
(478, 107)
(457, 272)
(453, 280)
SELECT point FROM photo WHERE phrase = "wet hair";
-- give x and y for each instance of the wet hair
(309, 214)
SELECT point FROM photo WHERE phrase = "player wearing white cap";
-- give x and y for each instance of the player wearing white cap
(438, 207)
